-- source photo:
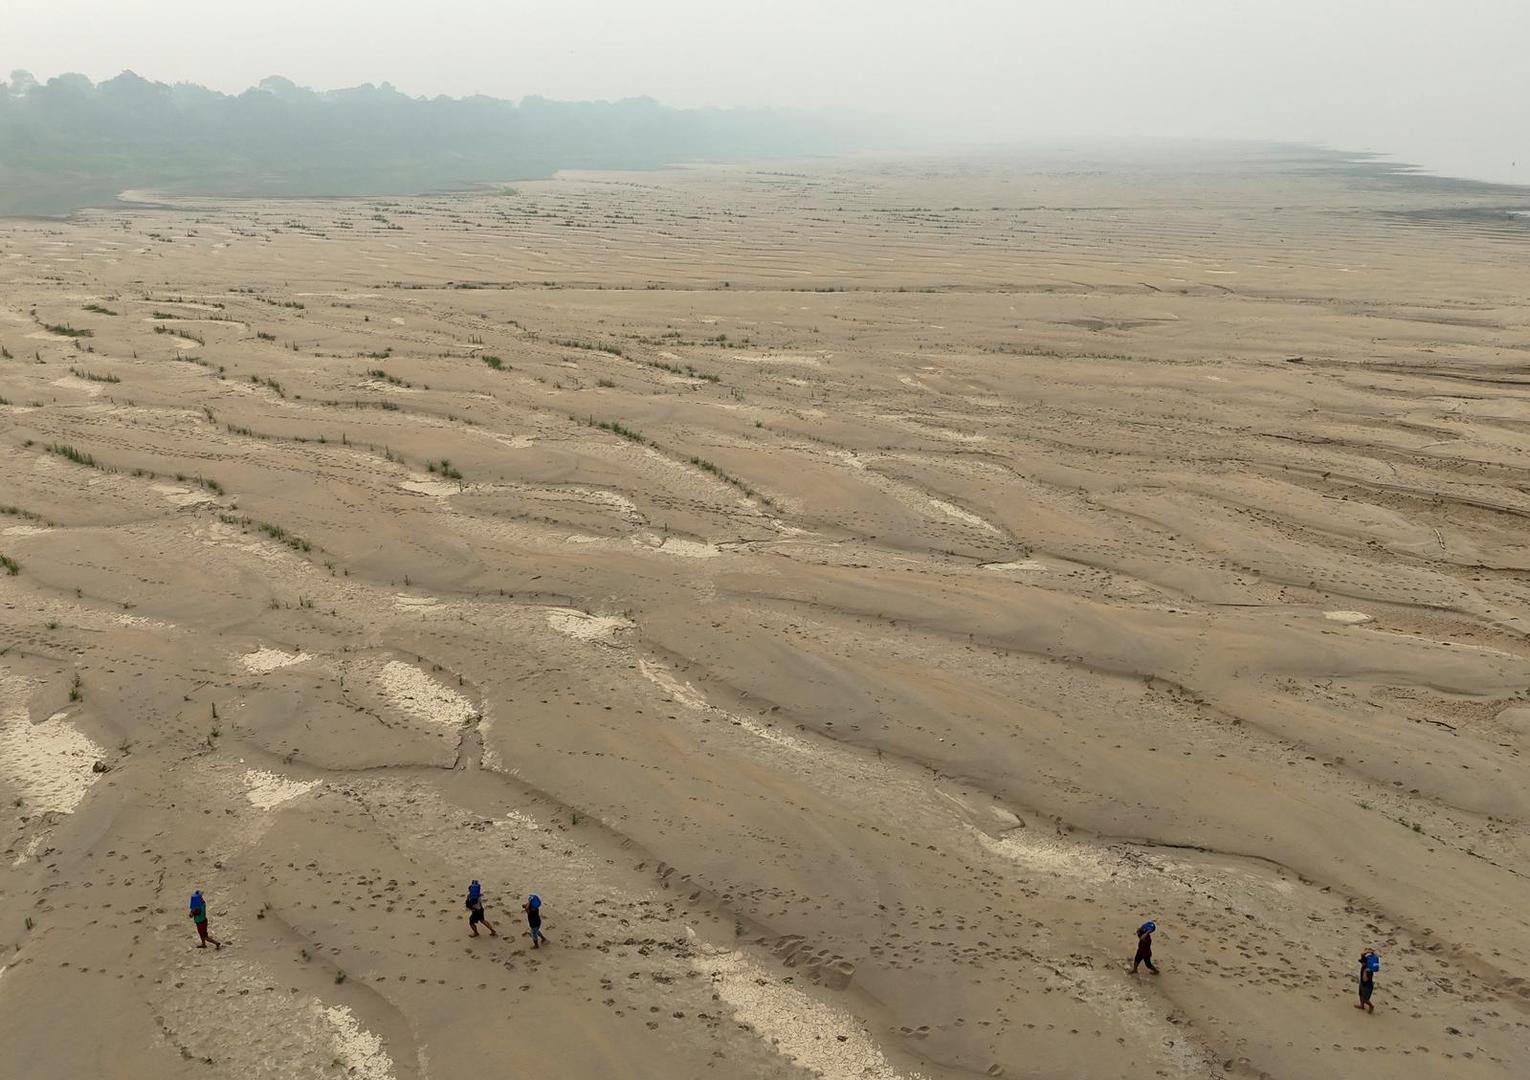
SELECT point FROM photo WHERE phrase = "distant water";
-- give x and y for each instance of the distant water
(1485, 167)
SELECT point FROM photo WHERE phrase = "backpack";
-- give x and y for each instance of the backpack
(1372, 963)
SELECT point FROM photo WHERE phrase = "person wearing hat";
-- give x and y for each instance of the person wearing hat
(533, 909)
(475, 911)
(1145, 947)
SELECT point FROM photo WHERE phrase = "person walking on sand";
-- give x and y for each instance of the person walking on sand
(1370, 963)
(533, 909)
(475, 911)
(1145, 947)
(199, 916)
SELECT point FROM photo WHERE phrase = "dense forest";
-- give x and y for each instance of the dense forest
(68, 142)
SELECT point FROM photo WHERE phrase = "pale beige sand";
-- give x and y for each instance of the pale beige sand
(1063, 543)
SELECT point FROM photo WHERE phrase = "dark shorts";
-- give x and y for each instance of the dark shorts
(475, 916)
(1365, 990)
(202, 929)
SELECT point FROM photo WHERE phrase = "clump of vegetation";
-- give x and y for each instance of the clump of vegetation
(263, 336)
(708, 467)
(90, 376)
(9, 565)
(591, 346)
(99, 310)
(272, 383)
(687, 371)
(616, 427)
(79, 457)
(493, 361)
(66, 330)
(275, 532)
(444, 468)
(76, 692)
(394, 380)
(29, 515)
(296, 305)
(181, 332)
(606, 384)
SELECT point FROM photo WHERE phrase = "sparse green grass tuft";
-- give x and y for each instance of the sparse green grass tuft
(79, 457)
(275, 532)
(687, 371)
(444, 468)
(591, 346)
(90, 376)
(9, 565)
(99, 310)
(493, 361)
(66, 330)
(379, 373)
(616, 427)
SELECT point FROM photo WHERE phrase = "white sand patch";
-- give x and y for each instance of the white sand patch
(405, 602)
(28, 851)
(1348, 618)
(360, 1052)
(179, 496)
(688, 549)
(24, 530)
(688, 696)
(265, 659)
(417, 694)
(266, 789)
(957, 513)
(514, 442)
(1006, 816)
(779, 358)
(684, 693)
(587, 627)
(1024, 565)
(422, 485)
(74, 382)
(813, 1035)
(49, 763)
(397, 320)
(139, 622)
(1049, 855)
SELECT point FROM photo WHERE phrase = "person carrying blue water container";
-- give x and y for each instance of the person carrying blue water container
(199, 917)
(533, 909)
(1370, 963)
(1145, 947)
(475, 911)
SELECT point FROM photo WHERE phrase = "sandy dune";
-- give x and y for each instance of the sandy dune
(853, 596)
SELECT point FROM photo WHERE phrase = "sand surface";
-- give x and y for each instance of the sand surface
(853, 596)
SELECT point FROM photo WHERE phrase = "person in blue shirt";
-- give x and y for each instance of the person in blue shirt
(1145, 947)
(199, 917)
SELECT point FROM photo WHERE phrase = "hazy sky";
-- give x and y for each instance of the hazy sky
(1445, 84)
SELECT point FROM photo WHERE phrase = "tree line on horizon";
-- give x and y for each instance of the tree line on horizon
(68, 142)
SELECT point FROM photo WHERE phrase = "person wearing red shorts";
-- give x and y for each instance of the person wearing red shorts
(199, 916)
